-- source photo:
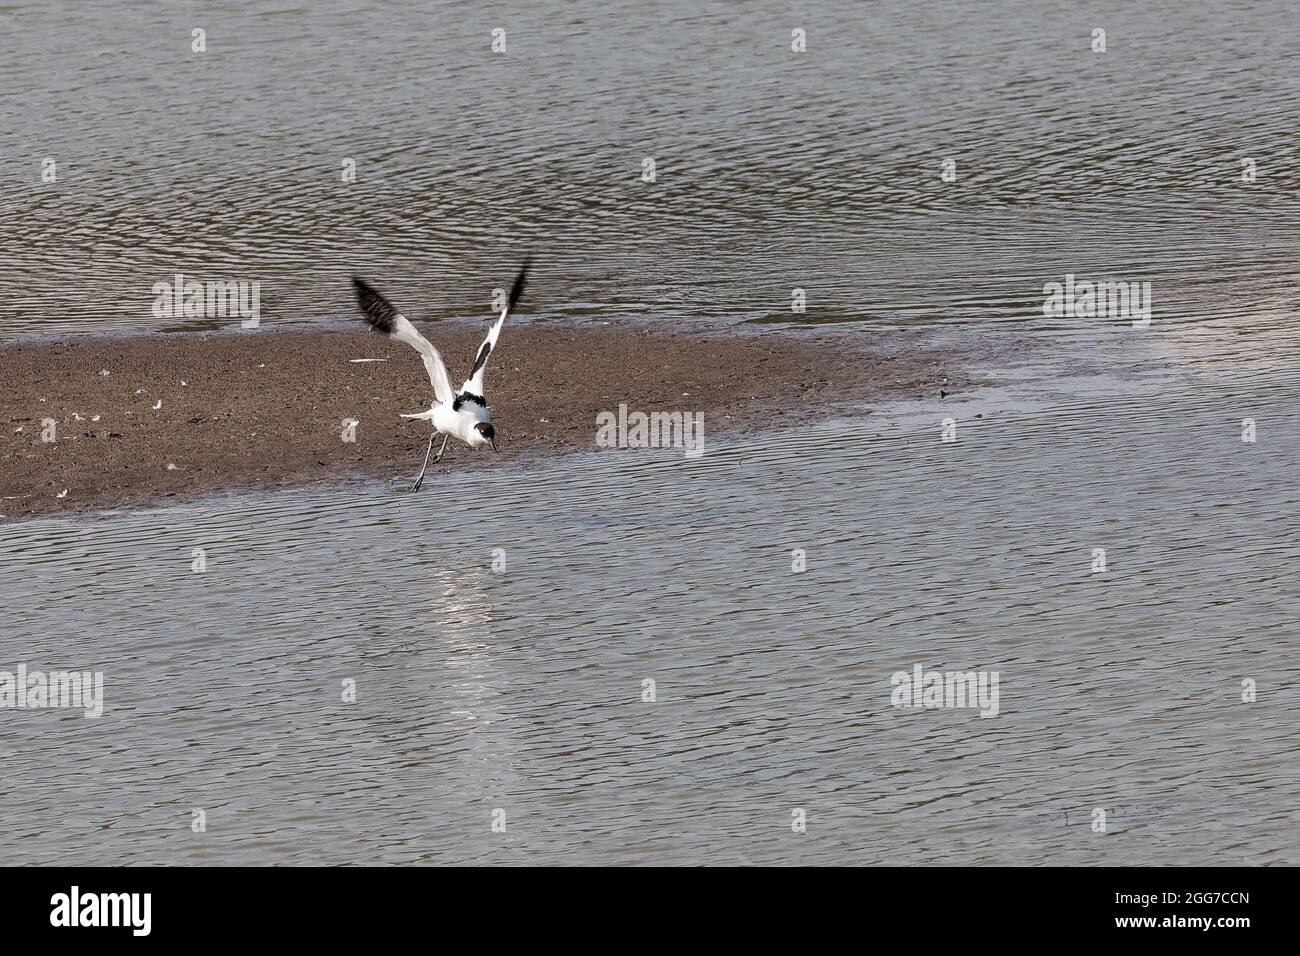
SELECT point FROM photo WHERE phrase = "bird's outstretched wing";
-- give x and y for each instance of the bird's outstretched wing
(472, 390)
(381, 315)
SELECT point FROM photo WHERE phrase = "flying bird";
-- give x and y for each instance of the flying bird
(464, 414)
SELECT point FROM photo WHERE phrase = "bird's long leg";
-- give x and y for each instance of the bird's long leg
(419, 479)
(423, 468)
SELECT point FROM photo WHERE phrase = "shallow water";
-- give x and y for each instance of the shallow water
(520, 689)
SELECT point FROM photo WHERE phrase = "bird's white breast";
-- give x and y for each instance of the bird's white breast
(460, 423)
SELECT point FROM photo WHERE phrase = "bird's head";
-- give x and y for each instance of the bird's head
(489, 434)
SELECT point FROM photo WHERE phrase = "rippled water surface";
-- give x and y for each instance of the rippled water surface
(774, 170)
(521, 688)
(484, 691)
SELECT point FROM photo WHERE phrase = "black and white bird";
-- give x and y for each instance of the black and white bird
(464, 414)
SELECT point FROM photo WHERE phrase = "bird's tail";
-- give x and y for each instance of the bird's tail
(426, 416)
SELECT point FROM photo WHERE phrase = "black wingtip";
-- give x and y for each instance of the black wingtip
(378, 311)
(521, 280)
(363, 289)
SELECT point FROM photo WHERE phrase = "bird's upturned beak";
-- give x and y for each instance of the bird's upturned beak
(494, 445)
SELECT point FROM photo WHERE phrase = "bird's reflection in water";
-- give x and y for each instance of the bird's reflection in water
(473, 693)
